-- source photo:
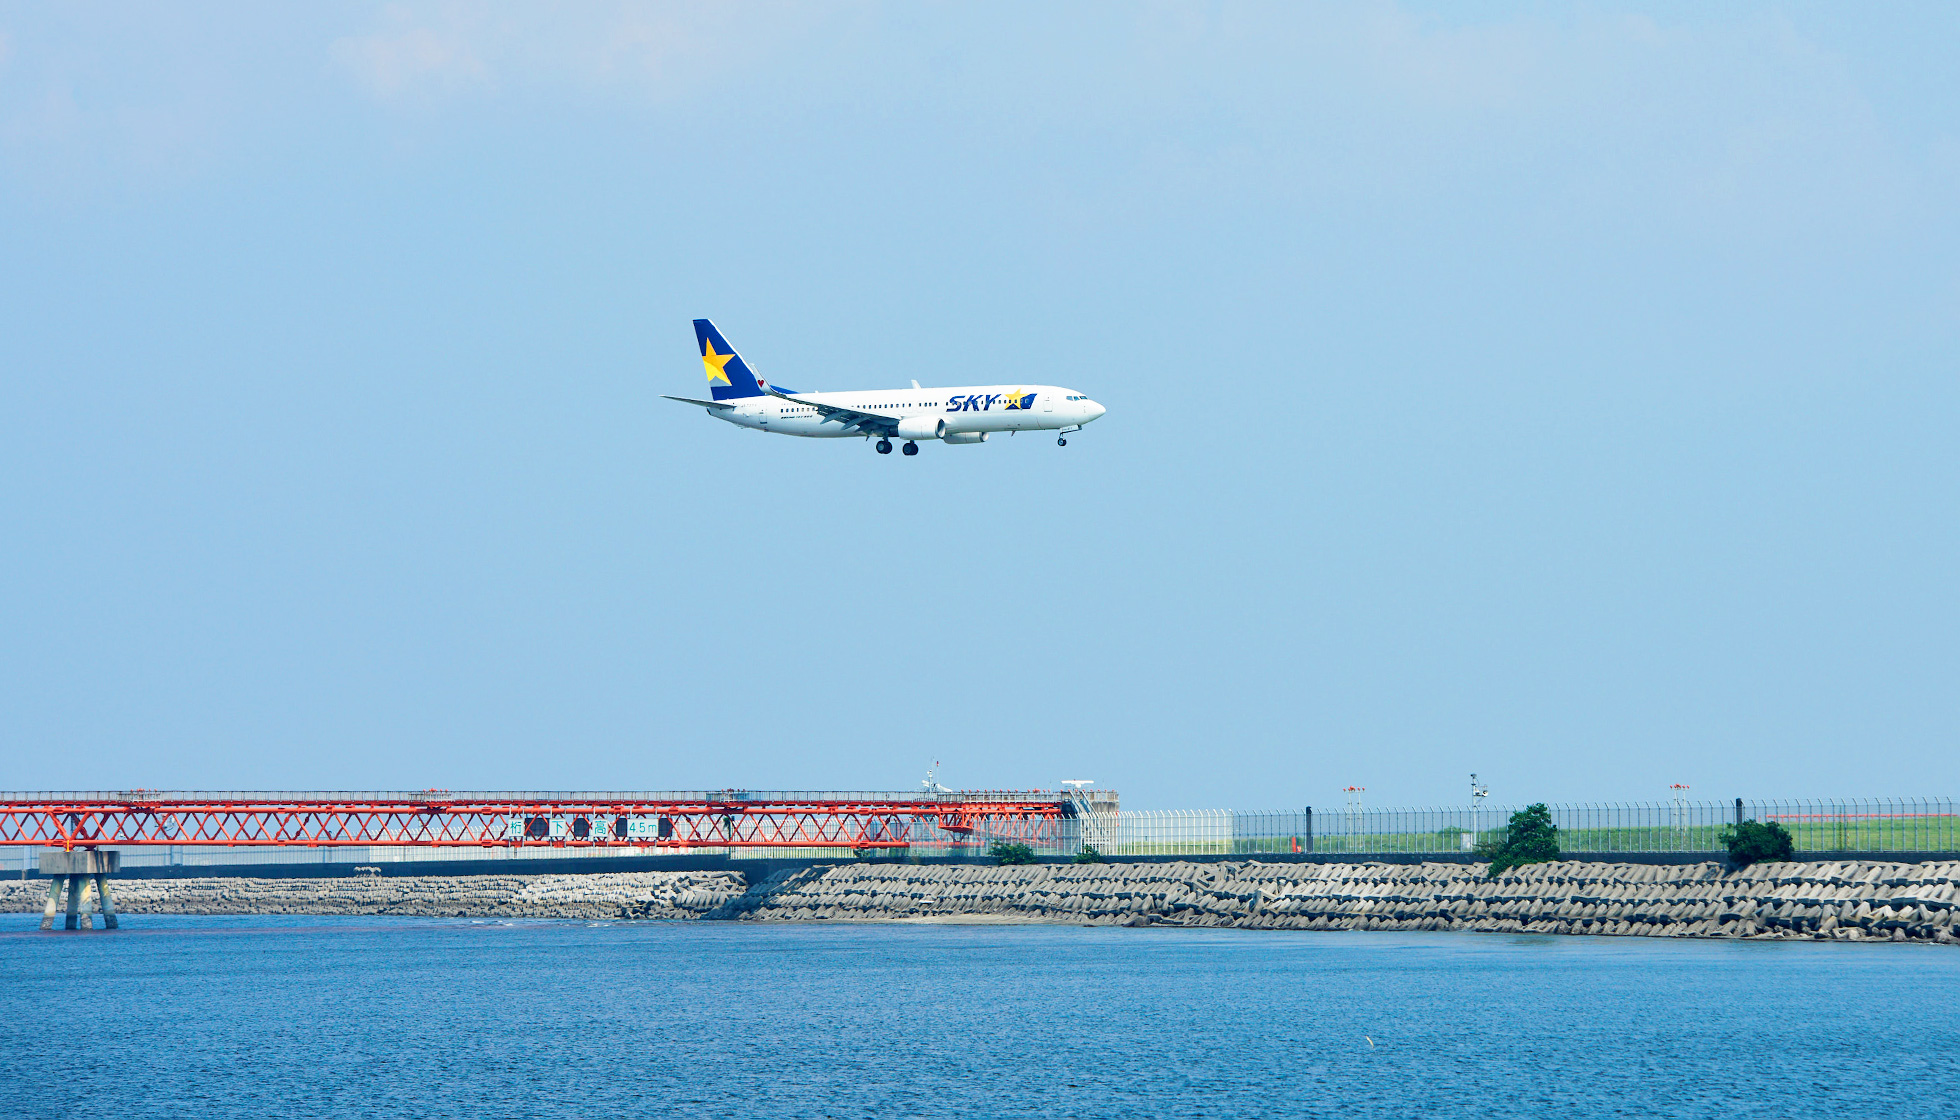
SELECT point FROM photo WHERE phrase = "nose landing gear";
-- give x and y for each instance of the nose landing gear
(1061, 438)
(1061, 441)
(911, 449)
(884, 447)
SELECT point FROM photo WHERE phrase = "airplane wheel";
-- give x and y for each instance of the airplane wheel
(911, 449)
(884, 447)
(1061, 442)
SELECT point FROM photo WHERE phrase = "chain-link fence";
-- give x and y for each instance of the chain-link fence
(1600, 828)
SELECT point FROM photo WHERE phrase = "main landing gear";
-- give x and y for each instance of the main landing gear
(884, 447)
(911, 449)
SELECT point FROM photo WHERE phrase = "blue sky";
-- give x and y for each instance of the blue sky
(1566, 394)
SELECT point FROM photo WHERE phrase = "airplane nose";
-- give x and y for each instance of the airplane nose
(1091, 410)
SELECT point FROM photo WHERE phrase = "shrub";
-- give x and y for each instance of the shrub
(1005, 853)
(1088, 854)
(1755, 842)
(1531, 838)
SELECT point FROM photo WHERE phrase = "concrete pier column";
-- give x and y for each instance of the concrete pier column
(54, 902)
(108, 902)
(85, 870)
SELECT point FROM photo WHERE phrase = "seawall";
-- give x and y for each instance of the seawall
(646, 894)
(1850, 900)
(1842, 901)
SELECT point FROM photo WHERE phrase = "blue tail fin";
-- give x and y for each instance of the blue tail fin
(728, 375)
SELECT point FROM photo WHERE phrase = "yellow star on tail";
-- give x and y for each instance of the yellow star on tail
(714, 361)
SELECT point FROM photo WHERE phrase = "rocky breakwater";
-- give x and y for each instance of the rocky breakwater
(1833, 901)
(1852, 901)
(646, 894)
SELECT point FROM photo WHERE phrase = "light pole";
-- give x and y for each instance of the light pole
(1680, 815)
(1353, 812)
(1477, 795)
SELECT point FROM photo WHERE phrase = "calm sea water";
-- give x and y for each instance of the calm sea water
(320, 1017)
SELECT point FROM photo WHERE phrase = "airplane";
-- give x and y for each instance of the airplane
(967, 414)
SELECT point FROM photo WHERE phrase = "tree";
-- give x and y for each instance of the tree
(1532, 838)
(1756, 842)
(1088, 854)
(1005, 852)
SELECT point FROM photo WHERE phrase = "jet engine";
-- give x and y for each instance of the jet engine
(921, 427)
(966, 437)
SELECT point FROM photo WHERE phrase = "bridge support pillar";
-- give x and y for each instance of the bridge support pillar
(83, 869)
(54, 901)
(75, 908)
(108, 902)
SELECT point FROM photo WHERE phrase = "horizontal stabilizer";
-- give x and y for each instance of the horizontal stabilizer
(703, 404)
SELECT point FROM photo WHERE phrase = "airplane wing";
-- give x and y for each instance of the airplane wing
(873, 423)
(703, 404)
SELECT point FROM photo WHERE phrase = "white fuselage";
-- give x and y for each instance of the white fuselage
(976, 408)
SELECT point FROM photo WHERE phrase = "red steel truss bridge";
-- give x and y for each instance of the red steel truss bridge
(438, 818)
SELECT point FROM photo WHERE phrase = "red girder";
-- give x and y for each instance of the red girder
(583, 822)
